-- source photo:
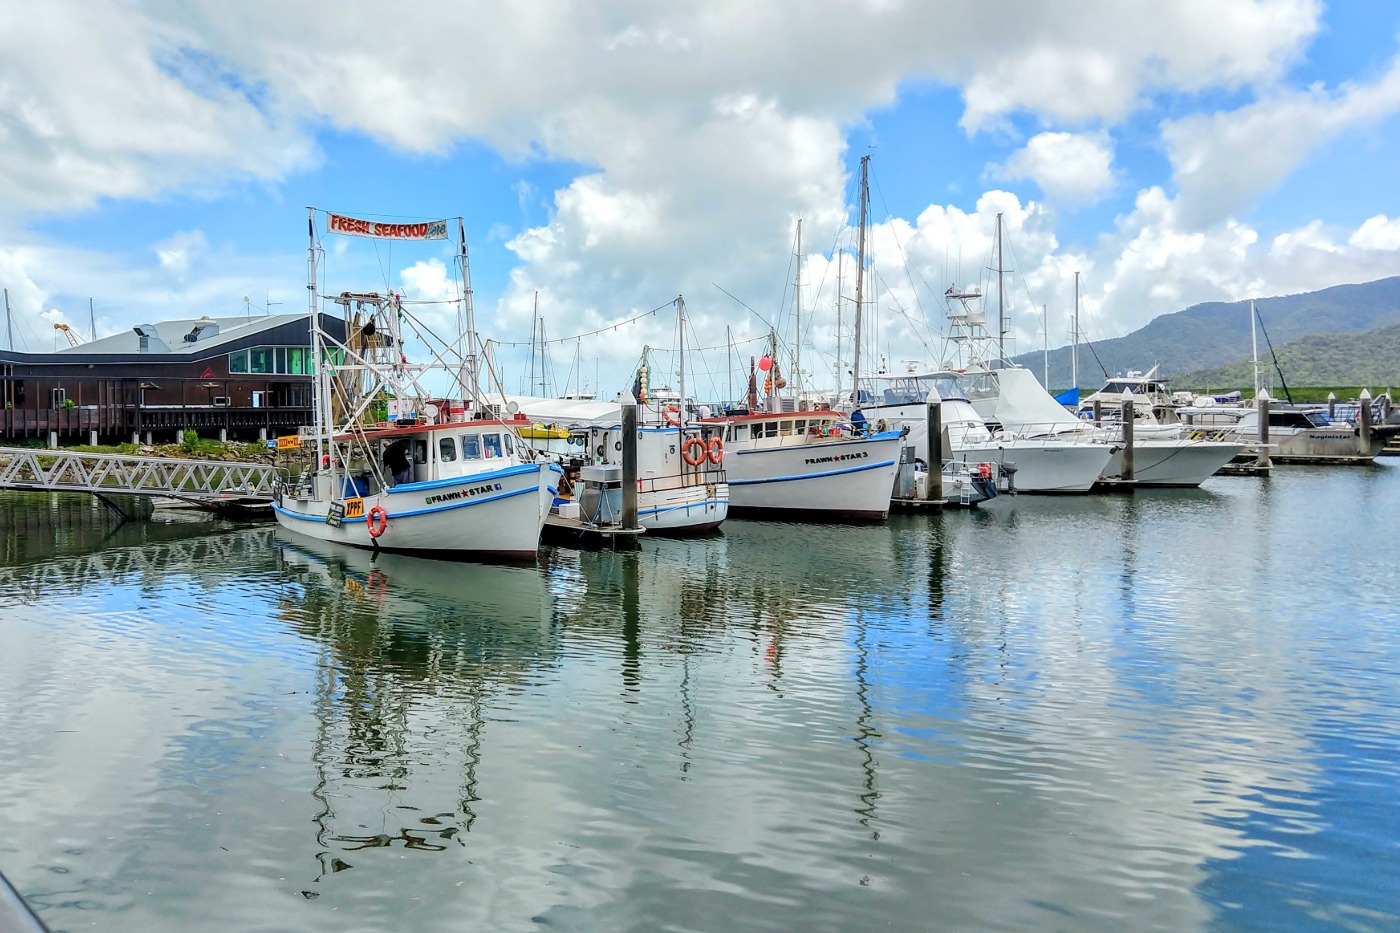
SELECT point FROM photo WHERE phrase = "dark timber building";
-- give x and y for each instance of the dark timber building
(241, 378)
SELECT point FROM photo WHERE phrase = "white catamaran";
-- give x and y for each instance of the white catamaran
(396, 466)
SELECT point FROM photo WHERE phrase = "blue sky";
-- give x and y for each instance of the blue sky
(157, 157)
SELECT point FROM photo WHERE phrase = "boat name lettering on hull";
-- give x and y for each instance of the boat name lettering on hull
(463, 493)
(834, 458)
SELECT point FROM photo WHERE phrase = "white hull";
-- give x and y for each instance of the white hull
(1173, 463)
(1048, 467)
(683, 510)
(490, 515)
(815, 478)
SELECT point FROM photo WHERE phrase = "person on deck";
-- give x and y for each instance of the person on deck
(858, 423)
(396, 462)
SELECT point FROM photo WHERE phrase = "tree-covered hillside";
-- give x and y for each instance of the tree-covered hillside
(1369, 359)
(1207, 336)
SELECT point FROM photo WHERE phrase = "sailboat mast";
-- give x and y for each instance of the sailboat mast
(1074, 354)
(860, 280)
(534, 340)
(92, 321)
(1001, 296)
(9, 330)
(1045, 341)
(729, 339)
(1254, 341)
(797, 313)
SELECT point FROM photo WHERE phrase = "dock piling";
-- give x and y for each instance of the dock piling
(1128, 474)
(629, 467)
(1261, 402)
(933, 486)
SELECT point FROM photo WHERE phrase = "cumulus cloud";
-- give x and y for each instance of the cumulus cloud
(1068, 167)
(701, 132)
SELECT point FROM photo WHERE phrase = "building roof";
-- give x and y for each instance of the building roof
(171, 336)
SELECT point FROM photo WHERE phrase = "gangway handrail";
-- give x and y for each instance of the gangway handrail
(121, 474)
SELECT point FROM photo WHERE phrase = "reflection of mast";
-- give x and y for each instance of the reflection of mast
(860, 280)
(865, 730)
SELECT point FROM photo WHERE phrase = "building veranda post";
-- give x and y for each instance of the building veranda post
(244, 378)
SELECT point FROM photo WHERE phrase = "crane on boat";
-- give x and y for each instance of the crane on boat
(72, 335)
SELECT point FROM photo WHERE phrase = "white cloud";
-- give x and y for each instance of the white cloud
(1068, 167)
(1378, 233)
(704, 130)
(1223, 162)
(179, 252)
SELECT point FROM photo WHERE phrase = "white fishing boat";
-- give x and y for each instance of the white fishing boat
(805, 464)
(681, 485)
(395, 466)
(681, 482)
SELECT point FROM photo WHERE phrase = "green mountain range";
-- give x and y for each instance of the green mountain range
(1343, 335)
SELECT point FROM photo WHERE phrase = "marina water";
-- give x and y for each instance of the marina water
(1172, 710)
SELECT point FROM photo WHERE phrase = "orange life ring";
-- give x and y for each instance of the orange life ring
(698, 447)
(716, 450)
(984, 470)
(377, 520)
(672, 414)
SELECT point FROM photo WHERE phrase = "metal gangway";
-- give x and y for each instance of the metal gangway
(214, 485)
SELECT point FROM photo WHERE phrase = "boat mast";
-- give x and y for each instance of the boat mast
(1074, 355)
(1001, 297)
(468, 377)
(798, 308)
(1045, 341)
(534, 337)
(1254, 341)
(9, 331)
(92, 322)
(860, 280)
(680, 313)
(729, 339)
(322, 381)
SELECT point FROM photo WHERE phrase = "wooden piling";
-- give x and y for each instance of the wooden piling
(933, 486)
(629, 467)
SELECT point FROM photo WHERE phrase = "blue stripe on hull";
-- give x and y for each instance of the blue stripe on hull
(786, 479)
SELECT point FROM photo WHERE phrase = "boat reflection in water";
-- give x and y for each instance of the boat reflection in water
(415, 651)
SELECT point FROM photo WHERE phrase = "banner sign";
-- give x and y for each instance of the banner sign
(351, 226)
(289, 442)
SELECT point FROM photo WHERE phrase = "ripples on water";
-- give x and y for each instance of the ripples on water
(1171, 710)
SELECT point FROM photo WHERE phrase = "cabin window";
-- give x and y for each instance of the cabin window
(420, 450)
(492, 445)
(238, 362)
(447, 449)
(738, 432)
(800, 425)
(510, 444)
(785, 428)
(770, 429)
(471, 446)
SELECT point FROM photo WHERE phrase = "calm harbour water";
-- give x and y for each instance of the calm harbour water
(1174, 710)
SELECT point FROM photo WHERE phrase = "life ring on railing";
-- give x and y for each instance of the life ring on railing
(693, 452)
(377, 520)
(715, 449)
(984, 470)
(672, 414)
